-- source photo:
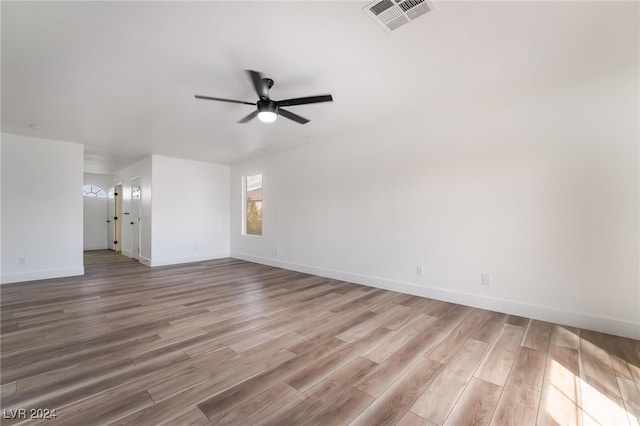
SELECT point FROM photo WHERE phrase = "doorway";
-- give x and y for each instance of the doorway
(95, 214)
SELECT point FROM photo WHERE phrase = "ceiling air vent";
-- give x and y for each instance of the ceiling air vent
(392, 14)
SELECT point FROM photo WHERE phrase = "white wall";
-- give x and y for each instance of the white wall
(541, 190)
(95, 211)
(1, 209)
(190, 210)
(141, 169)
(41, 208)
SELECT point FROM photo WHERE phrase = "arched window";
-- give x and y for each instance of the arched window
(94, 191)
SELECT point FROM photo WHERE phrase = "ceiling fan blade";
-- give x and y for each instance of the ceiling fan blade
(224, 100)
(292, 116)
(249, 117)
(307, 100)
(259, 84)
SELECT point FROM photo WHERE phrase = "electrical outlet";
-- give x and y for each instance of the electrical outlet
(486, 279)
(22, 260)
(419, 271)
(276, 250)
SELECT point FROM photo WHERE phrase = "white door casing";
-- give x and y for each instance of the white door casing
(111, 229)
(136, 194)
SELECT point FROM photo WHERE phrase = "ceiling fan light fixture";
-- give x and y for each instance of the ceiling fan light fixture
(267, 116)
(267, 111)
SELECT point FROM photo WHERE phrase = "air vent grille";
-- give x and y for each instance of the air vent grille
(410, 4)
(381, 7)
(391, 16)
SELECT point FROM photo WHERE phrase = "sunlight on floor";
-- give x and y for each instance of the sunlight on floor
(562, 396)
(570, 400)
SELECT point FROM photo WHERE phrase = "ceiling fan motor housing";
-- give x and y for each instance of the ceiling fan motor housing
(267, 105)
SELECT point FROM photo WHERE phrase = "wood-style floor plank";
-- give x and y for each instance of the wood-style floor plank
(343, 410)
(397, 340)
(255, 409)
(232, 342)
(631, 394)
(538, 335)
(520, 397)
(476, 404)
(564, 336)
(396, 401)
(456, 338)
(412, 419)
(518, 406)
(560, 400)
(597, 369)
(600, 394)
(321, 398)
(193, 417)
(390, 369)
(323, 367)
(496, 365)
(217, 406)
(439, 398)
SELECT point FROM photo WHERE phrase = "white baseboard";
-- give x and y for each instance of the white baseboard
(95, 247)
(544, 313)
(18, 277)
(126, 253)
(177, 260)
(145, 260)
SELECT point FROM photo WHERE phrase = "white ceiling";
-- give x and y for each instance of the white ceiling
(120, 77)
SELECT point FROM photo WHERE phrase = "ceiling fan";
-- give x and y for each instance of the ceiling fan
(268, 109)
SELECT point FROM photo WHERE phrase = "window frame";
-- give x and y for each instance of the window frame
(244, 204)
(92, 193)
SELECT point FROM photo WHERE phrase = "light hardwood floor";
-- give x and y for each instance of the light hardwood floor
(232, 342)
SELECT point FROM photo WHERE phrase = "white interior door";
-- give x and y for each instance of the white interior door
(111, 228)
(136, 192)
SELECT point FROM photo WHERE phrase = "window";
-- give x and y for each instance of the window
(94, 191)
(253, 204)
